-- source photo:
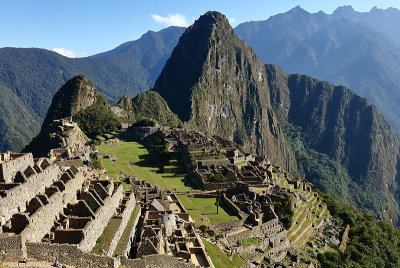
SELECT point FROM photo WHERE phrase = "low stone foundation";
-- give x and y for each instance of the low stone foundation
(68, 254)
(156, 261)
(10, 247)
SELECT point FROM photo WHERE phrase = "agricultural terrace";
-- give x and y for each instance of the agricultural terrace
(204, 210)
(133, 158)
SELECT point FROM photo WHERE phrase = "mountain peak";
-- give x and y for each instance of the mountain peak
(210, 20)
(344, 11)
(215, 83)
(214, 15)
(75, 95)
(298, 10)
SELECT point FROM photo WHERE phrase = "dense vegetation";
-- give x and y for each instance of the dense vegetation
(372, 243)
(97, 120)
(284, 210)
(32, 76)
(150, 104)
(340, 141)
(21, 126)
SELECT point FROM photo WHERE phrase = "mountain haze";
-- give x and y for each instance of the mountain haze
(357, 50)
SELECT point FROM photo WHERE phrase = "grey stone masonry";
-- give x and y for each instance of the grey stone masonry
(15, 196)
(42, 219)
(11, 163)
(95, 227)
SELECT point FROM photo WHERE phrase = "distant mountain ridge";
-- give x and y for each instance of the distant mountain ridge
(359, 50)
(33, 75)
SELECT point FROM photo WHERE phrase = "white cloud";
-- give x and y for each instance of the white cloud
(232, 20)
(171, 20)
(65, 52)
(69, 53)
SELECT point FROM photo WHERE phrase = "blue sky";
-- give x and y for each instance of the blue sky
(86, 27)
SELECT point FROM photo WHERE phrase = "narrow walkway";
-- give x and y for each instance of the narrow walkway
(33, 264)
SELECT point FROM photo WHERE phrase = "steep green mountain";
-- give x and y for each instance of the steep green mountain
(150, 104)
(34, 75)
(79, 100)
(357, 50)
(330, 135)
(216, 84)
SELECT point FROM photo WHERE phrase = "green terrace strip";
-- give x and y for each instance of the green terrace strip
(220, 259)
(134, 159)
(250, 241)
(123, 241)
(204, 210)
(103, 242)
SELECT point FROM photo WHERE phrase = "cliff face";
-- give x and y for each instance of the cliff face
(216, 84)
(337, 123)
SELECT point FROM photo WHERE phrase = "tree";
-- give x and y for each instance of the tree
(218, 179)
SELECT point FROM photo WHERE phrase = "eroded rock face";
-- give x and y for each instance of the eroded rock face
(216, 84)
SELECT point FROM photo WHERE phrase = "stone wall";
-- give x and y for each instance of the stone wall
(233, 207)
(17, 197)
(125, 251)
(41, 221)
(232, 225)
(10, 247)
(9, 168)
(68, 254)
(126, 215)
(156, 261)
(95, 228)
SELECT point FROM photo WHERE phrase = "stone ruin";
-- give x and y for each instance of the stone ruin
(166, 228)
(72, 141)
(256, 211)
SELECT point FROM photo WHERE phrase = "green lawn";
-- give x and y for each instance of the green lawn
(103, 242)
(204, 211)
(219, 258)
(144, 166)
